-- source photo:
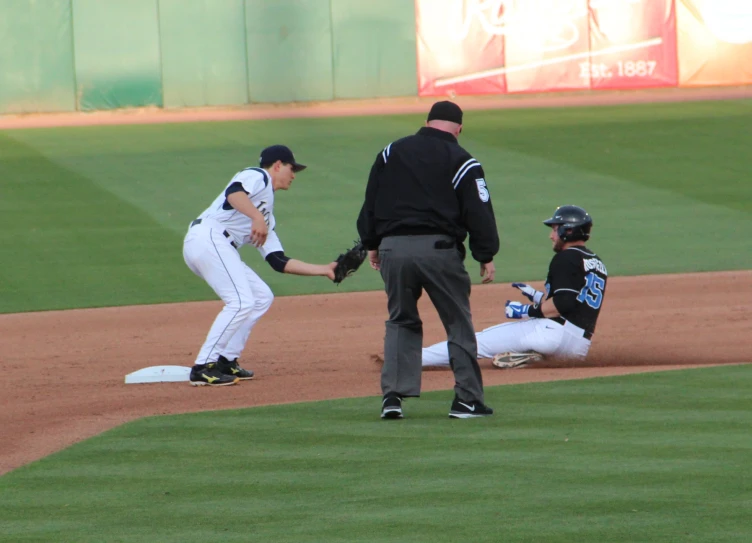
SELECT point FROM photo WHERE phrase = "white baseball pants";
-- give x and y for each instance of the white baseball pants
(544, 336)
(209, 254)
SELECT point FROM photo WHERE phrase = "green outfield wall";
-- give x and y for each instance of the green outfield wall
(36, 56)
(68, 55)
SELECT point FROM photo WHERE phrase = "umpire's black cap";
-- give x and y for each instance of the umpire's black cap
(272, 154)
(445, 111)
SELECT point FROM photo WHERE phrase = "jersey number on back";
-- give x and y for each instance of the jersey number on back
(592, 292)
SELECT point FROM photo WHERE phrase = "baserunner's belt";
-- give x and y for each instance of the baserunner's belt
(574, 328)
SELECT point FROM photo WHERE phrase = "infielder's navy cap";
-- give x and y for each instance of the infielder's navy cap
(445, 111)
(280, 152)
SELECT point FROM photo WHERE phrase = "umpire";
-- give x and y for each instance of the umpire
(425, 194)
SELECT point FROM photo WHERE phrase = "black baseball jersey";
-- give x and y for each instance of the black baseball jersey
(577, 282)
(428, 184)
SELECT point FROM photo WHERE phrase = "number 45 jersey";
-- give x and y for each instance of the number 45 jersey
(577, 279)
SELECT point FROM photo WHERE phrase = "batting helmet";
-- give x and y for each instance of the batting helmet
(573, 223)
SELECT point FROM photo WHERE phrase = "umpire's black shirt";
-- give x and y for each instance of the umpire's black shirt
(428, 184)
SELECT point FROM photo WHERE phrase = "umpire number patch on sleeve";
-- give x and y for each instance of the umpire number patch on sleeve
(482, 190)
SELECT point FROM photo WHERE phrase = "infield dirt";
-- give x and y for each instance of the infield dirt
(68, 367)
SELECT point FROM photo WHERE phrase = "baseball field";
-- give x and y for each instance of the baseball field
(647, 440)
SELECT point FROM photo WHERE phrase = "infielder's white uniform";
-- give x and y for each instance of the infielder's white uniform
(210, 251)
(544, 336)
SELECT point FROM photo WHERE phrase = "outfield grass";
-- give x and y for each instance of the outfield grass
(94, 216)
(652, 457)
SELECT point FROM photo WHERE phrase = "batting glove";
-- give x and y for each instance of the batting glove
(516, 310)
(530, 293)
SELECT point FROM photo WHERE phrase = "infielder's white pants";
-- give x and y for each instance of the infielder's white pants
(208, 254)
(544, 336)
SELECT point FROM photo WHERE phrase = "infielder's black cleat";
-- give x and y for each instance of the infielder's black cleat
(209, 375)
(468, 410)
(231, 367)
(391, 407)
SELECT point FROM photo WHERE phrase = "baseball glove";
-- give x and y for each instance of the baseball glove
(349, 262)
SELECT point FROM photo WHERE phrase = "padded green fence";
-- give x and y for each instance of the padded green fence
(36, 56)
(63, 55)
(373, 48)
(203, 52)
(116, 44)
(289, 50)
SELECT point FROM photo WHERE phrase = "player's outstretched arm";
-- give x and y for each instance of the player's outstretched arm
(298, 267)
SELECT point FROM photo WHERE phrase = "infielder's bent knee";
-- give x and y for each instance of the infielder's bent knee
(264, 301)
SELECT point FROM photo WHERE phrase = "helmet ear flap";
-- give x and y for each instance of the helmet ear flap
(569, 232)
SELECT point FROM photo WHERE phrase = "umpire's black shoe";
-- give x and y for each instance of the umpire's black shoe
(231, 367)
(468, 410)
(209, 374)
(391, 406)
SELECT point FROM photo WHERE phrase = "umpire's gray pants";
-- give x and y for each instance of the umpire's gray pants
(410, 264)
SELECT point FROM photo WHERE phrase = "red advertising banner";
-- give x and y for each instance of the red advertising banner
(545, 42)
(508, 46)
(458, 40)
(632, 44)
(715, 42)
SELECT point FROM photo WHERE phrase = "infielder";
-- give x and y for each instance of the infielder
(560, 322)
(242, 214)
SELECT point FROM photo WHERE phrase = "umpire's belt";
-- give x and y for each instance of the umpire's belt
(576, 330)
(225, 233)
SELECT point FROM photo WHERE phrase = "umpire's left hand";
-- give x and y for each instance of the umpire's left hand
(488, 272)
